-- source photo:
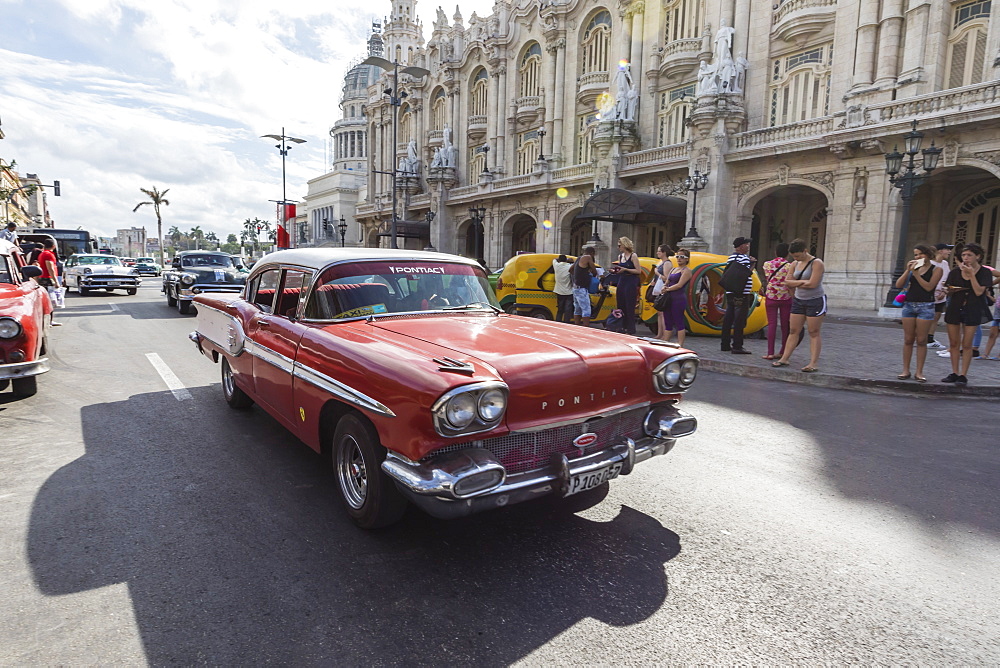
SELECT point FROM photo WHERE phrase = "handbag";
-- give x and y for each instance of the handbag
(650, 297)
(663, 300)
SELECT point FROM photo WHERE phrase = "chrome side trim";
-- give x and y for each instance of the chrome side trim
(338, 389)
(273, 358)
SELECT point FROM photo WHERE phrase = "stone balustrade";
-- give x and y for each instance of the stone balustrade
(783, 133)
(952, 100)
(656, 156)
(689, 45)
(790, 6)
(573, 172)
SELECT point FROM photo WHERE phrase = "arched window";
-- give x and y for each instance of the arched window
(672, 115)
(405, 132)
(530, 69)
(967, 43)
(409, 55)
(684, 19)
(477, 163)
(586, 125)
(597, 43)
(527, 151)
(479, 99)
(800, 85)
(399, 53)
(438, 110)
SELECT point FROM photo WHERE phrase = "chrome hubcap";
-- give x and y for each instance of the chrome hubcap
(227, 379)
(352, 473)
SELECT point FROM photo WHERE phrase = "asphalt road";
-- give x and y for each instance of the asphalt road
(141, 525)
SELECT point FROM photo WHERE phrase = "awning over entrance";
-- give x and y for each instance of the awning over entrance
(407, 229)
(626, 206)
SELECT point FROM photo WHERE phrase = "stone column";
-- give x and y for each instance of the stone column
(494, 121)
(741, 22)
(637, 11)
(559, 92)
(504, 149)
(890, 34)
(864, 57)
(551, 94)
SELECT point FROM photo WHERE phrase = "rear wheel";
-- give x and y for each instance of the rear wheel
(25, 387)
(371, 498)
(235, 397)
(541, 314)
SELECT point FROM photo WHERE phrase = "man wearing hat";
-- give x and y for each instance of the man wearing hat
(738, 303)
(941, 259)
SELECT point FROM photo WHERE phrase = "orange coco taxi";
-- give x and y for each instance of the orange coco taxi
(24, 307)
(401, 367)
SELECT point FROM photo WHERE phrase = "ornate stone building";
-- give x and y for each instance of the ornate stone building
(788, 107)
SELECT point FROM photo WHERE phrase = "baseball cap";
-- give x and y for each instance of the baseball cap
(739, 241)
(943, 246)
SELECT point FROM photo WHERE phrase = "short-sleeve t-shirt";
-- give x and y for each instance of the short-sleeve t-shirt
(44, 258)
(966, 300)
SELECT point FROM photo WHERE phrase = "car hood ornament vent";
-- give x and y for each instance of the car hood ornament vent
(454, 366)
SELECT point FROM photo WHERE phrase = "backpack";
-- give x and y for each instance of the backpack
(734, 277)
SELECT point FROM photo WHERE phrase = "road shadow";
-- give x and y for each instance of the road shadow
(236, 550)
(935, 458)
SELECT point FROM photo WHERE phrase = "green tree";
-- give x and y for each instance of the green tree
(213, 239)
(196, 234)
(156, 200)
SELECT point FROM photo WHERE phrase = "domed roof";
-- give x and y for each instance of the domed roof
(359, 78)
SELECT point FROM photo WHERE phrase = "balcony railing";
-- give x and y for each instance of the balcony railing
(573, 172)
(656, 156)
(954, 99)
(593, 79)
(789, 6)
(689, 45)
(528, 102)
(784, 133)
(464, 191)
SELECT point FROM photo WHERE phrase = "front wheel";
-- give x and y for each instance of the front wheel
(25, 387)
(371, 497)
(171, 300)
(183, 306)
(82, 290)
(235, 397)
(131, 291)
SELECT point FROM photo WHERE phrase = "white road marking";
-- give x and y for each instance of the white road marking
(169, 377)
(113, 307)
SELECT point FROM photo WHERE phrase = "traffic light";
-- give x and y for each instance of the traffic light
(55, 188)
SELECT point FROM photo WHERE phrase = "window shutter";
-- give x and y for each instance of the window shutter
(957, 74)
(979, 59)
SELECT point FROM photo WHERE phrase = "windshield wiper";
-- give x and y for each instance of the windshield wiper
(473, 305)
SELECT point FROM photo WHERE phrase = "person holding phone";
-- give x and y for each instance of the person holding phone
(920, 281)
(966, 309)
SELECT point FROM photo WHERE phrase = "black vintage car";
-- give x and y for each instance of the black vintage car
(195, 272)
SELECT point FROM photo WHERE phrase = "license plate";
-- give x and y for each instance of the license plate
(114, 282)
(584, 481)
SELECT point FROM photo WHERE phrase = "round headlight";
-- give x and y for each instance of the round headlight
(689, 369)
(461, 410)
(672, 374)
(9, 328)
(491, 405)
(187, 279)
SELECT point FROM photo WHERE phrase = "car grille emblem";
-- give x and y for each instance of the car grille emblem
(584, 441)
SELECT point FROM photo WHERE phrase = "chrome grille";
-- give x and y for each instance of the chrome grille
(526, 451)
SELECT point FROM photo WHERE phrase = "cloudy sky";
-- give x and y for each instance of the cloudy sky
(109, 96)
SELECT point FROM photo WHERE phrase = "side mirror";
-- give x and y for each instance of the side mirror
(31, 271)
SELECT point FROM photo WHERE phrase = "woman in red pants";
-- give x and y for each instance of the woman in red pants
(777, 299)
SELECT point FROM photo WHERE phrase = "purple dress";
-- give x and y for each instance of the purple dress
(673, 318)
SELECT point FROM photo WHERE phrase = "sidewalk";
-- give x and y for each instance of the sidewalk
(861, 352)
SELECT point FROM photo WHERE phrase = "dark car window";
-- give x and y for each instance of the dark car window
(7, 271)
(263, 289)
(293, 292)
(208, 261)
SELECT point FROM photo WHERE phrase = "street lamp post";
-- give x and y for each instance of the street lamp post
(906, 178)
(541, 144)
(694, 183)
(429, 217)
(595, 238)
(478, 215)
(395, 100)
(342, 228)
(283, 148)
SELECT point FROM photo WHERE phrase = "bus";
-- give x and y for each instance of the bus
(68, 242)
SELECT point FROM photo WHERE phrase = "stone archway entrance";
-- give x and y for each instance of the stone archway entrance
(978, 219)
(786, 213)
(958, 205)
(475, 241)
(523, 230)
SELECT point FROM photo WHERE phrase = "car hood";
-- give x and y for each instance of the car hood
(215, 275)
(554, 371)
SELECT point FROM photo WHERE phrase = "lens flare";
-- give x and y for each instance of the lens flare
(622, 64)
(562, 193)
(547, 224)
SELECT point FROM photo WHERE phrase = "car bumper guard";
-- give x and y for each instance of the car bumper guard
(23, 369)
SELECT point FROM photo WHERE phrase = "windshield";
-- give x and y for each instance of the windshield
(99, 259)
(374, 288)
(208, 261)
(146, 260)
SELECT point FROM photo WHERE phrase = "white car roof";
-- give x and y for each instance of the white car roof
(318, 258)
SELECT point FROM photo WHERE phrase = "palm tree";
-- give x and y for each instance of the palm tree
(196, 234)
(213, 238)
(156, 199)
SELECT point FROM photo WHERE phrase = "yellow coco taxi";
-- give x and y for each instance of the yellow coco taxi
(525, 283)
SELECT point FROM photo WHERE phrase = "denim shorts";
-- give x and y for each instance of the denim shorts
(581, 302)
(810, 308)
(919, 310)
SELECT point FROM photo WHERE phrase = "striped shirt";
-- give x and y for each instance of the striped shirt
(745, 261)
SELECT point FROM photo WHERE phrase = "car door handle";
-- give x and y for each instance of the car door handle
(263, 323)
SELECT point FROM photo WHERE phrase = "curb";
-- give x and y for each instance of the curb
(870, 386)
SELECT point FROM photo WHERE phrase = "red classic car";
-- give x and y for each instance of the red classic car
(403, 370)
(24, 307)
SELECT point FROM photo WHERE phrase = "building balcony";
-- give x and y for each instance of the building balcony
(797, 19)
(527, 107)
(658, 159)
(477, 126)
(590, 86)
(680, 57)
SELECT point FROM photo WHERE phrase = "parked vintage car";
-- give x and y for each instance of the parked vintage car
(24, 310)
(86, 272)
(196, 272)
(525, 284)
(401, 367)
(147, 266)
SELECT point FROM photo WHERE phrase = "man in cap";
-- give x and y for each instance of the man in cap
(941, 259)
(738, 303)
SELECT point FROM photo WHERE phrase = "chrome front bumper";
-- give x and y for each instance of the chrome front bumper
(189, 293)
(24, 369)
(431, 484)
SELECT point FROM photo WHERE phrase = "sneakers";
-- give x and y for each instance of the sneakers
(943, 353)
(951, 378)
(936, 345)
(741, 351)
(961, 380)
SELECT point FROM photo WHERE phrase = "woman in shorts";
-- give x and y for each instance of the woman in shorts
(808, 304)
(966, 310)
(919, 280)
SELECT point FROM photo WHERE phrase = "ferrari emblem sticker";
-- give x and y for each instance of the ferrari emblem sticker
(302, 413)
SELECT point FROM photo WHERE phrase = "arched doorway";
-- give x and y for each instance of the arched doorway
(475, 240)
(978, 219)
(523, 230)
(958, 205)
(786, 213)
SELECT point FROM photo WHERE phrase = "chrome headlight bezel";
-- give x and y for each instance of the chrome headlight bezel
(187, 279)
(10, 328)
(445, 418)
(676, 374)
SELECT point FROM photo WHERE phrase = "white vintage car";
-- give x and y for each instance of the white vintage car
(100, 272)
